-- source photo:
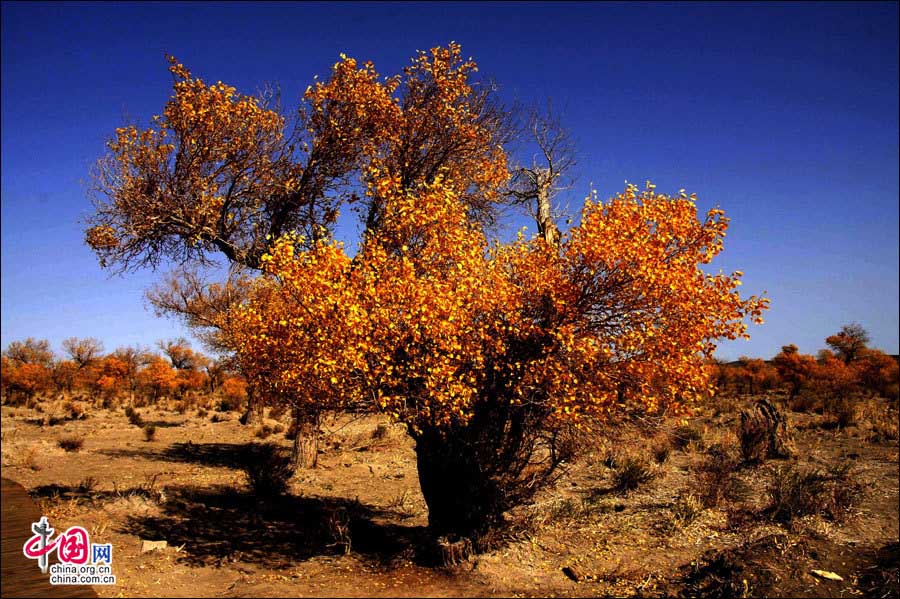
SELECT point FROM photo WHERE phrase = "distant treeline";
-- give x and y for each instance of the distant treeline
(30, 368)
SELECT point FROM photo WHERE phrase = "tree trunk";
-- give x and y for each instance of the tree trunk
(305, 452)
(463, 501)
(546, 227)
(254, 412)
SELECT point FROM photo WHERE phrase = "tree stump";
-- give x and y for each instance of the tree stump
(455, 552)
(764, 433)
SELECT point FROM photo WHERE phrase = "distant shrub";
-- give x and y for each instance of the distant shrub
(264, 431)
(277, 411)
(71, 443)
(381, 431)
(149, 432)
(201, 413)
(883, 422)
(686, 508)
(843, 410)
(228, 404)
(87, 484)
(805, 401)
(134, 416)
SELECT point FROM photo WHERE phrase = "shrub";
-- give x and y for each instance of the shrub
(228, 404)
(201, 413)
(71, 443)
(149, 432)
(796, 492)
(686, 508)
(264, 431)
(277, 411)
(715, 478)
(134, 416)
(661, 449)
(842, 410)
(268, 469)
(381, 431)
(883, 422)
(632, 472)
(686, 434)
(804, 401)
(87, 484)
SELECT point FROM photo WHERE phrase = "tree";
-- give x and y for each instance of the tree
(30, 351)
(877, 372)
(132, 358)
(27, 367)
(849, 343)
(83, 351)
(794, 368)
(65, 373)
(492, 353)
(182, 356)
(756, 373)
(536, 186)
(158, 377)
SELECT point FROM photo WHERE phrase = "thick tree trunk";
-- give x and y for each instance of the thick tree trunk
(305, 452)
(463, 501)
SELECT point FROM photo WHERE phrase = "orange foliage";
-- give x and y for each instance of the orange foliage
(877, 372)
(220, 172)
(158, 376)
(794, 368)
(234, 388)
(428, 320)
(28, 379)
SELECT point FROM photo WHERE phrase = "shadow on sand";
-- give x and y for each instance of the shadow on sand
(221, 524)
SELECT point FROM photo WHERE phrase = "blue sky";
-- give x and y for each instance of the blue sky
(785, 115)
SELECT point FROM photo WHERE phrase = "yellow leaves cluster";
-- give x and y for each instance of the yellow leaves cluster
(428, 319)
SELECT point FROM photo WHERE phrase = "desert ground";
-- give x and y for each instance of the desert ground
(356, 524)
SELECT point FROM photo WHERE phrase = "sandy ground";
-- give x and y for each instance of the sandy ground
(355, 525)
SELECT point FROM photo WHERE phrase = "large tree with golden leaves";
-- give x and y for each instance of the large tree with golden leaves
(490, 353)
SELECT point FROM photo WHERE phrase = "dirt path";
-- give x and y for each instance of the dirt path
(21, 576)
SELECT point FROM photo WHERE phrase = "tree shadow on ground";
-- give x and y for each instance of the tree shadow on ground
(224, 455)
(221, 524)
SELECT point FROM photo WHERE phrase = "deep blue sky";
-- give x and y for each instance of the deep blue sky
(783, 114)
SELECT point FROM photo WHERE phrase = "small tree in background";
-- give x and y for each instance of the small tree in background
(794, 368)
(849, 343)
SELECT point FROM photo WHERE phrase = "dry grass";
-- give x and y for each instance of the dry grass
(795, 492)
(631, 472)
(71, 443)
(268, 469)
